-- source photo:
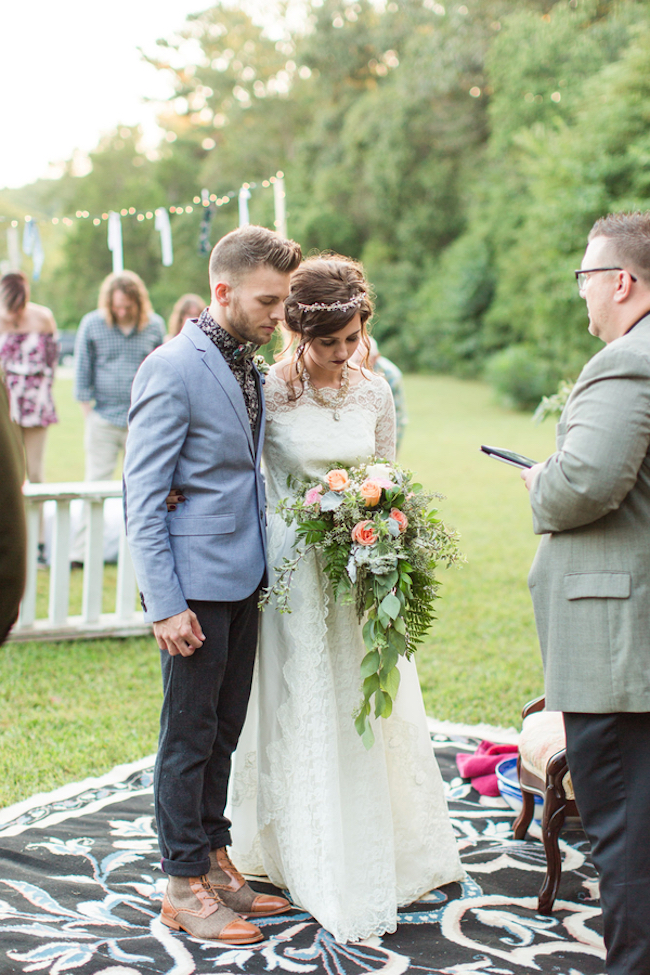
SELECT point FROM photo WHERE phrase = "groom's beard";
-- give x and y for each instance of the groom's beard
(245, 330)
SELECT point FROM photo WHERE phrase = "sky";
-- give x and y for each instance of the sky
(70, 71)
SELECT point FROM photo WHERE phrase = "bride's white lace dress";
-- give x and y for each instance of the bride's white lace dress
(351, 834)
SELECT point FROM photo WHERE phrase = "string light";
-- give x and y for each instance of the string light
(140, 216)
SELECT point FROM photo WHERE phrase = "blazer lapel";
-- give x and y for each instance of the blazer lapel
(261, 416)
(219, 368)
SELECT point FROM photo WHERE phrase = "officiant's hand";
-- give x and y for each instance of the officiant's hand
(529, 474)
(181, 633)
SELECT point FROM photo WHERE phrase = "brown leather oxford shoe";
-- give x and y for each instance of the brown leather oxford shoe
(191, 904)
(237, 894)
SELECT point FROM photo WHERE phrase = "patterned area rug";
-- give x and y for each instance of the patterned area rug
(80, 892)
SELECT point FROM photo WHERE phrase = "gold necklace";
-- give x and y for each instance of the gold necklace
(335, 403)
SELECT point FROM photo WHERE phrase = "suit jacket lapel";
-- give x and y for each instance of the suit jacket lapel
(220, 369)
(261, 415)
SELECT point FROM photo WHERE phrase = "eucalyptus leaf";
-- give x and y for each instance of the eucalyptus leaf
(368, 736)
(391, 605)
(383, 705)
(399, 625)
(389, 658)
(369, 634)
(331, 501)
(370, 663)
(392, 578)
(360, 722)
(370, 685)
(390, 681)
(396, 640)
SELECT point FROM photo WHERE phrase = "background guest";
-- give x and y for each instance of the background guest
(187, 306)
(28, 355)
(111, 344)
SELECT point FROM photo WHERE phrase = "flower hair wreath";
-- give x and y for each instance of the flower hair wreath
(353, 302)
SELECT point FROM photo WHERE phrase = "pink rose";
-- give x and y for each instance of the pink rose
(400, 518)
(370, 492)
(313, 495)
(337, 480)
(364, 533)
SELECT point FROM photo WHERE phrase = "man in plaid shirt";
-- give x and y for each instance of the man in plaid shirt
(110, 346)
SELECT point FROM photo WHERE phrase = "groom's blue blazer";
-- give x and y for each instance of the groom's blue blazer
(188, 428)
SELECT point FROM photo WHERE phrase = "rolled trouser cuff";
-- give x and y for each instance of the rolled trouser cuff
(180, 868)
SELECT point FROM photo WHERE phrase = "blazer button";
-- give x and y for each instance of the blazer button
(142, 602)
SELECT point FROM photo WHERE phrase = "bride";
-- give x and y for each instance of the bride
(351, 834)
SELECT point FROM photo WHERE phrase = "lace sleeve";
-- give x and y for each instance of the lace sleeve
(385, 428)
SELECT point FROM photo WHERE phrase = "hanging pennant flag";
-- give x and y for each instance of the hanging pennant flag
(13, 248)
(204, 232)
(32, 246)
(244, 197)
(115, 241)
(280, 207)
(163, 226)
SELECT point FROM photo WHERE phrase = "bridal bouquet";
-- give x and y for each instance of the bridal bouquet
(379, 543)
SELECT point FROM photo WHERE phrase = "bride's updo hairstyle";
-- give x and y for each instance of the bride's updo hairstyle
(326, 293)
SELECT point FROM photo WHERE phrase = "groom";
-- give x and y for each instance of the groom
(197, 423)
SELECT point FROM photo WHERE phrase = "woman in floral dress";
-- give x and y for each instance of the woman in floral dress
(28, 357)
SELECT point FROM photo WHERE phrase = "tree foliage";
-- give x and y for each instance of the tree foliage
(462, 151)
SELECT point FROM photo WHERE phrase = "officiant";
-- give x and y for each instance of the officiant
(591, 577)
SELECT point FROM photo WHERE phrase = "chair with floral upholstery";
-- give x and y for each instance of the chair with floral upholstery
(542, 770)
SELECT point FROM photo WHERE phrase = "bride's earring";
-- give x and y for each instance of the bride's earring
(300, 350)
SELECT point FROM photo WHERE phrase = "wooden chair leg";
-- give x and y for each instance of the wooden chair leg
(553, 816)
(523, 820)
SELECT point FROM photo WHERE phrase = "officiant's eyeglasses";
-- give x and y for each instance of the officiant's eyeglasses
(583, 276)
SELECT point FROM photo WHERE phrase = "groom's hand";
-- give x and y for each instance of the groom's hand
(181, 633)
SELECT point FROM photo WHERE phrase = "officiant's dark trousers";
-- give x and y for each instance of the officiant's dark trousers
(204, 706)
(609, 759)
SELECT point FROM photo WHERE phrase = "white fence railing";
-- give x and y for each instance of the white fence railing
(59, 625)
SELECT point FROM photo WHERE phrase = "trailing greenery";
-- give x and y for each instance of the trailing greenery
(379, 544)
(461, 151)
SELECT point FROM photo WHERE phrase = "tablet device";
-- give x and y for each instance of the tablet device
(508, 456)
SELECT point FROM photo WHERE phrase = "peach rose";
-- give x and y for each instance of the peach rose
(370, 492)
(337, 480)
(313, 495)
(364, 533)
(400, 518)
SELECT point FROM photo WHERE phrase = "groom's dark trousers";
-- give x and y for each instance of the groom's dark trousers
(609, 758)
(203, 712)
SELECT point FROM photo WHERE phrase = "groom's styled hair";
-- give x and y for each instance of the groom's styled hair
(243, 250)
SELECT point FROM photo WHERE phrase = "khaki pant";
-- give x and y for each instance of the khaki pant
(103, 443)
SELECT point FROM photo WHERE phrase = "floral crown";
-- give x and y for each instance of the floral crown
(353, 302)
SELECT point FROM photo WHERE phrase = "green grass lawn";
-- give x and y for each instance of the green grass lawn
(69, 710)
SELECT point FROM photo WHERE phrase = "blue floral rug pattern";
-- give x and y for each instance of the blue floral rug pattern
(80, 894)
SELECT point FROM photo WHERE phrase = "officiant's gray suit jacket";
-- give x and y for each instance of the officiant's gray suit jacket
(590, 580)
(188, 428)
